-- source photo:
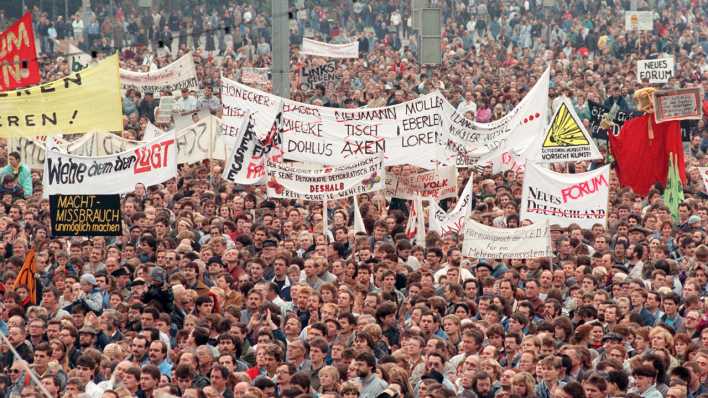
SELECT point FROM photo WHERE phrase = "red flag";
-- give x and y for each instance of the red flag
(18, 56)
(641, 161)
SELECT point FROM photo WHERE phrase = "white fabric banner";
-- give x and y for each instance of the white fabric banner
(482, 241)
(151, 132)
(246, 164)
(438, 184)
(150, 164)
(566, 139)
(704, 176)
(32, 150)
(454, 221)
(325, 183)
(407, 133)
(202, 140)
(101, 144)
(320, 49)
(565, 199)
(175, 76)
(358, 220)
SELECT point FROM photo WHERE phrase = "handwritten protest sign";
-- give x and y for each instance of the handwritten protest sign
(175, 76)
(482, 241)
(638, 20)
(324, 183)
(655, 70)
(149, 164)
(325, 74)
(85, 215)
(444, 223)
(565, 199)
(18, 56)
(438, 184)
(598, 111)
(681, 104)
(88, 100)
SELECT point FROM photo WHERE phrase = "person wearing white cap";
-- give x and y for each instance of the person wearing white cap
(90, 295)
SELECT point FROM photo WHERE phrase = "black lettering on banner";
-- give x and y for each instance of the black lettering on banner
(85, 215)
(29, 120)
(310, 147)
(246, 95)
(191, 141)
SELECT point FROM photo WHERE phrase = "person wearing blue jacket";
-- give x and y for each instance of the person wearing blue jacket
(19, 170)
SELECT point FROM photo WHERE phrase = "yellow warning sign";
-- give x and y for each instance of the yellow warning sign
(564, 130)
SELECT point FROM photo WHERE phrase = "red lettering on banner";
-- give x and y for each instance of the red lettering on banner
(577, 191)
(255, 170)
(152, 157)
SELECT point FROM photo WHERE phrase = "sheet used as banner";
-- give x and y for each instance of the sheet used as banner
(33, 150)
(531, 241)
(88, 100)
(566, 138)
(454, 222)
(324, 183)
(327, 50)
(85, 215)
(638, 20)
(175, 76)
(438, 184)
(407, 133)
(565, 199)
(655, 70)
(680, 104)
(149, 164)
(18, 55)
(246, 164)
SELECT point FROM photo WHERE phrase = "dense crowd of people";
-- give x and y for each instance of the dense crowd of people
(215, 290)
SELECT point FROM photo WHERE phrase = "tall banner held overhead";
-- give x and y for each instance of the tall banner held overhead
(175, 76)
(320, 49)
(88, 100)
(85, 215)
(531, 241)
(442, 222)
(566, 138)
(565, 199)
(18, 55)
(326, 183)
(149, 164)
(246, 164)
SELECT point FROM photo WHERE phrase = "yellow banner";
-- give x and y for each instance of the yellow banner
(87, 100)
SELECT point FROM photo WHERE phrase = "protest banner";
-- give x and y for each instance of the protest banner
(324, 183)
(100, 144)
(566, 138)
(88, 100)
(85, 215)
(325, 74)
(18, 56)
(444, 223)
(149, 164)
(616, 116)
(201, 140)
(255, 76)
(407, 133)
(151, 132)
(438, 184)
(565, 199)
(165, 110)
(175, 76)
(704, 176)
(638, 20)
(246, 163)
(655, 70)
(320, 49)
(681, 104)
(482, 241)
(32, 150)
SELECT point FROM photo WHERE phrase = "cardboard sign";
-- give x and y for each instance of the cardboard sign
(482, 241)
(638, 20)
(566, 138)
(88, 100)
(433, 185)
(655, 70)
(681, 104)
(18, 56)
(565, 199)
(85, 215)
(325, 74)
(325, 183)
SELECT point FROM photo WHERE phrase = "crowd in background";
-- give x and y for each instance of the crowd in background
(215, 290)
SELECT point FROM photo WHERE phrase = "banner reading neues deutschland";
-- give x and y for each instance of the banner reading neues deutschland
(565, 199)
(85, 215)
(88, 100)
(482, 241)
(175, 76)
(18, 56)
(150, 164)
(324, 183)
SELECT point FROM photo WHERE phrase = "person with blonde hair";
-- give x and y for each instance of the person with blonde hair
(329, 380)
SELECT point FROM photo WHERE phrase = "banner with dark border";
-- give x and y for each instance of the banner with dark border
(85, 215)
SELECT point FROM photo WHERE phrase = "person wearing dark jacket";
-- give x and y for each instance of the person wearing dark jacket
(158, 293)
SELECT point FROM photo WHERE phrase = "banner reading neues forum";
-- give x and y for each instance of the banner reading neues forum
(85, 215)
(88, 100)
